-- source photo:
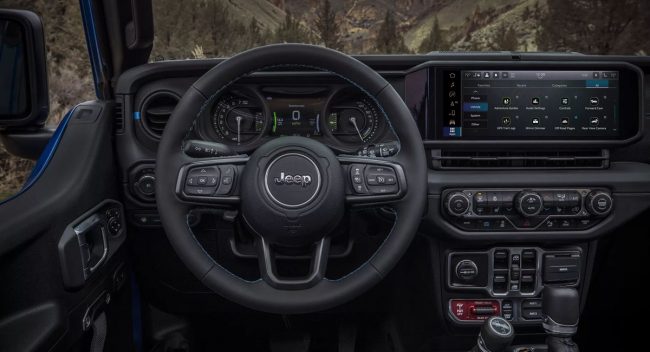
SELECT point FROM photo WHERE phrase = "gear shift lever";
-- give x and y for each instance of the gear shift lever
(561, 312)
(495, 336)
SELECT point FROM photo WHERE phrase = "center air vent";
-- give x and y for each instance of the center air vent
(576, 159)
(156, 110)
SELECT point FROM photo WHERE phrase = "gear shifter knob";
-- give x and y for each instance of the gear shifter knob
(560, 310)
(495, 336)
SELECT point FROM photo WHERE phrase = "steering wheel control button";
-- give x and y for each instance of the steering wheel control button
(466, 270)
(358, 181)
(599, 203)
(199, 191)
(204, 171)
(457, 204)
(292, 180)
(381, 179)
(228, 174)
(202, 181)
(529, 203)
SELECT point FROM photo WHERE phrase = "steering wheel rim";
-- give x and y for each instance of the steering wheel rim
(259, 294)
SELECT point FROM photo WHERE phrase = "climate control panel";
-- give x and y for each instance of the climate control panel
(526, 209)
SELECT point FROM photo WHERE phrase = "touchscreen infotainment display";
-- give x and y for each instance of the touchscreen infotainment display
(492, 104)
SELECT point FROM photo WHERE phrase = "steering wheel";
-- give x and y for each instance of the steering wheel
(291, 192)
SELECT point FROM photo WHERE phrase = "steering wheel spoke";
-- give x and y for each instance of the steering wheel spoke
(268, 259)
(371, 182)
(211, 181)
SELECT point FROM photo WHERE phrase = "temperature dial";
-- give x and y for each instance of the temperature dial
(529, 203)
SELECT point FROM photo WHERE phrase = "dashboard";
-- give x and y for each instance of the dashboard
(531, 159)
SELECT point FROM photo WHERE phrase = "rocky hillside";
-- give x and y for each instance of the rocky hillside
(467, 24)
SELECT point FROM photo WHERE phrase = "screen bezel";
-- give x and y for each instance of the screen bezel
(631, 110)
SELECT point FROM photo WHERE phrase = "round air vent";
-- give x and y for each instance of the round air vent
(156, 110)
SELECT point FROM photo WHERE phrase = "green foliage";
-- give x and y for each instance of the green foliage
(389, 40)
(326, 26)
(505, 39)
(292, 31)
(435, 40)
(595, 27)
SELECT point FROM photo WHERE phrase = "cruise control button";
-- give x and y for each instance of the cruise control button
(374, 179)
(380, 170)
(357, 178)
(387, 189)
(356, 170)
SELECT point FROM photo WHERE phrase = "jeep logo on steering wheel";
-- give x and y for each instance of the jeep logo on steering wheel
(302, 180)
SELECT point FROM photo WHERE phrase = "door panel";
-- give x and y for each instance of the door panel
(38, 311)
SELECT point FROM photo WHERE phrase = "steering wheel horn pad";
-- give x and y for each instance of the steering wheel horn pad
(292, 191)
(316, 208)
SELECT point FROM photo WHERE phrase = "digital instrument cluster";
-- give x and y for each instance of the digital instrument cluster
(343, 117)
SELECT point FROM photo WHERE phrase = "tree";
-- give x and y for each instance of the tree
(435, 40)
(326, 26)
(389, 41)
(505, 39)
(291, 31)
(594, 27)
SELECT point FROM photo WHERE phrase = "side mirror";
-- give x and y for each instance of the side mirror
(24, 100)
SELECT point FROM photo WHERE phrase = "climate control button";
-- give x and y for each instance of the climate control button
(529, 203)
(599, 203)
(457, 204)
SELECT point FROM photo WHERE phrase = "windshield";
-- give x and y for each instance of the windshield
(195, 29)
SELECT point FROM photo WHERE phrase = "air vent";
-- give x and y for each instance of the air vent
(118, 116)
(156, 110)
(586, 159)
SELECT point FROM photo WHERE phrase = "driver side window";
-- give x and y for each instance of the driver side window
(69, 77)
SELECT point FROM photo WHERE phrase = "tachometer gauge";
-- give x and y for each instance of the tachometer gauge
(355, 121)
(237, 120)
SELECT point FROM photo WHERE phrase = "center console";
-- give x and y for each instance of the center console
(508, 281)
(521, 176)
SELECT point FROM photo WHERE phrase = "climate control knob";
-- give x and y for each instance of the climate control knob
(529, 203)
(599, 203)
(457, 204)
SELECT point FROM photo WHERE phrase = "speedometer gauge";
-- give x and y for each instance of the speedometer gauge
(237, 120)
(355, 121)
